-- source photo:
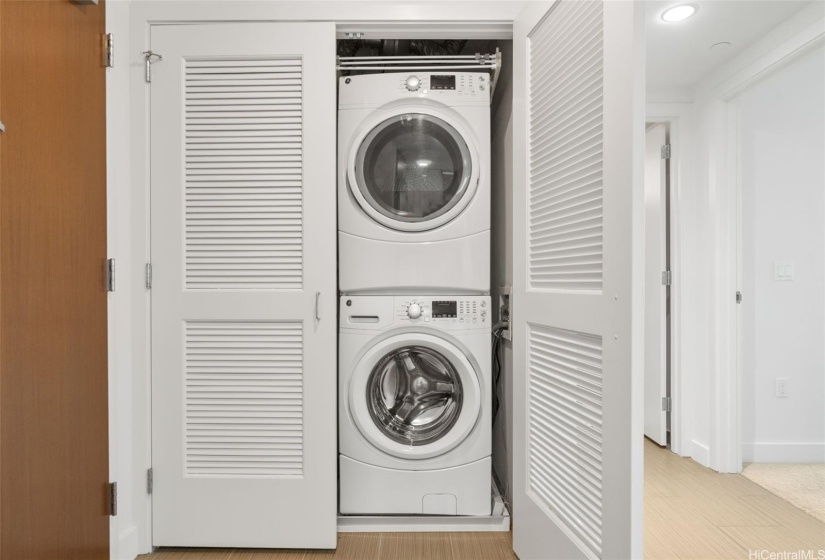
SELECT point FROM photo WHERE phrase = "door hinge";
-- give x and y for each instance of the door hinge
(148, 276)
(667, 278)
(110, 275)
(666, 404)
(110, 50)
(150, 480)
(149, 58)
(666, 151)
(113, 499)
(738, 297)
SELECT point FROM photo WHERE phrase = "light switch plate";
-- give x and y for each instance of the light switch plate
(783, 271)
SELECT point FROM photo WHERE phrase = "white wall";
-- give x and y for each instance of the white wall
(703, 262)
(782, 142)
(502, 258)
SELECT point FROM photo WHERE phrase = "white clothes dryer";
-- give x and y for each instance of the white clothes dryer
(414, 183)
(414, 418)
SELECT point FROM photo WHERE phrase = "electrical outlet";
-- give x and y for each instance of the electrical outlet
(505, 311)
(782, 387)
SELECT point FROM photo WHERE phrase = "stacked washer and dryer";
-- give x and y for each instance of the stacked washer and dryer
(415, 383)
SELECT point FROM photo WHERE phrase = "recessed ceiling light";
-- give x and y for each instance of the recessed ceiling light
(678, 13)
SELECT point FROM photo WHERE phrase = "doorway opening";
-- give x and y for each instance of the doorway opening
(658, 280)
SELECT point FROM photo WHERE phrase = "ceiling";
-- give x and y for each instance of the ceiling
(678, 54)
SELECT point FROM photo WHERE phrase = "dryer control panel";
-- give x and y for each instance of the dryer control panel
(441, 312)
(461, 84)
(450, 88)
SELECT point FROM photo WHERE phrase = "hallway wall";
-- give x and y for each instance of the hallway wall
(782, 139)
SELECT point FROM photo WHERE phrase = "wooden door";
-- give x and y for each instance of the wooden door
(244, 321)
(578, 94)
(53, 333)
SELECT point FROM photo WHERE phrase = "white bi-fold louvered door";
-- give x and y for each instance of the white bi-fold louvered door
(578, 130)
(243, 294)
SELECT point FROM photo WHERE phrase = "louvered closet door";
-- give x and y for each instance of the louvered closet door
(243, 296)
(578, 149)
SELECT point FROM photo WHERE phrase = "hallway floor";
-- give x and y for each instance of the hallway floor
(694, 512)
(690, 513)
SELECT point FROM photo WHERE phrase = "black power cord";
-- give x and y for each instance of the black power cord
(497, 345)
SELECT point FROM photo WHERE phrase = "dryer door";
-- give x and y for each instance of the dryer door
(413, 171)
(415, 396)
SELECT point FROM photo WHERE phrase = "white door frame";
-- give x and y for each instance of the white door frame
(677, 117)
(128, 195)
(725, 441)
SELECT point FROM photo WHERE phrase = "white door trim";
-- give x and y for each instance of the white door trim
(725, 441)
(678, 118)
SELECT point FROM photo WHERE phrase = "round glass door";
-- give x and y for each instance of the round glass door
(413, 167)
(414, 395)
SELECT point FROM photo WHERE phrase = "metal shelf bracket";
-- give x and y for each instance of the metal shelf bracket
(468, 63)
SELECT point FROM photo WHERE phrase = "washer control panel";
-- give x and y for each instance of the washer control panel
(459, 311)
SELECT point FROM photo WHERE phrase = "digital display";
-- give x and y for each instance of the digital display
(445, 309)
(442, 82)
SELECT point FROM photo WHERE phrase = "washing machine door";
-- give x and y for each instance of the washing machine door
(415, 396)
(413, 170)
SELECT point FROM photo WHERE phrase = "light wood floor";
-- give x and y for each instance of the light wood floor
(690, 513)
(694, 512)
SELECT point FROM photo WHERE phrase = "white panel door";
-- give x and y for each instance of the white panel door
(577, 129)
(243, 297)
(655, 290)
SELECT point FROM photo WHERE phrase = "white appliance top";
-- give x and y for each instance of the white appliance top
(449, 313)
(450, 88)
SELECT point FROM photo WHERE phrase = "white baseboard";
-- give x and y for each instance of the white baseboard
(783, 452)
(700, 453)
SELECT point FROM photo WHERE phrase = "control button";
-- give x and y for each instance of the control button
(413, 83)
(483, 313)
(483, 304)
(414, 311)
(481, 87)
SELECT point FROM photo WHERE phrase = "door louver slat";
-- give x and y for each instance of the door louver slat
(244, 399)
(565, 428)
(565, 181)
(244, 168)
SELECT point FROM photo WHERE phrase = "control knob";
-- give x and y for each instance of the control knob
(413, 83)
(414, 311)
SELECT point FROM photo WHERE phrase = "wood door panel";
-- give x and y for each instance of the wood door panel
(53, 329)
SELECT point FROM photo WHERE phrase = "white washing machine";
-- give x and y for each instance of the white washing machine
(414, 183)
(414, 405)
